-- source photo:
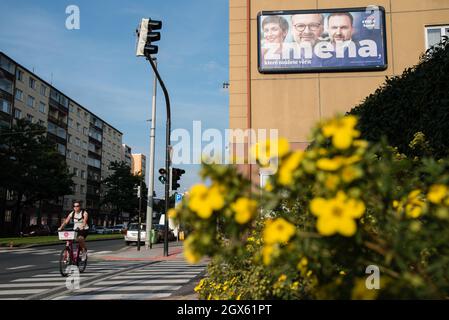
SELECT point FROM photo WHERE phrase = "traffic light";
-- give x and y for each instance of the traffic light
(176, 176)
(146, 36)
(163, 175)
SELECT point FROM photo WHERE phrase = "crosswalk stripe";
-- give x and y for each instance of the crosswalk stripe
(20, 292)
(143, 277)
(159, 281)
(55, 279)
(21, 267)
(117, 296)
(31, 285)
(129, 288)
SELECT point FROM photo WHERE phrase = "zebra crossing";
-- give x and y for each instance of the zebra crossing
(22, 288)
(155, 281)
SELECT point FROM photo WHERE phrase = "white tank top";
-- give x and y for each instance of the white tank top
(78, 220)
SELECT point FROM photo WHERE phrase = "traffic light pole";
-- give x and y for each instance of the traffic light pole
(149, 224)
(167, 151)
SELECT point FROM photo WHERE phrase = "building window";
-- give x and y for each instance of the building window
(29, 117)
(7, 65)
(61, 149)
(81, 189)
(69, 154)
(78, 142)
(8, 215)
(19, 75)
(5, 106)
(69, 138)
(6, 85)
(78, 112)
(75, 188)
(78, 127)
(42, 107)
(85, 145)
(30, 102)
(32, 83)
(43, 90)
(83, 174)
(85, 131)
(42, 123)
(75, 171)
(77, 157)
(19, 94)
(435, 34)
(71, 108)
(17, 114)
(70, 123)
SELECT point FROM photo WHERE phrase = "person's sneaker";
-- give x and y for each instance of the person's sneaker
(84, 255)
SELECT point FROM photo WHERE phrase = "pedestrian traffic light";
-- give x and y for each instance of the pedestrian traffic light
(163, 175)
(176, 176)
(146, 36)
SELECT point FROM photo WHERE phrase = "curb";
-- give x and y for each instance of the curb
(51, 244)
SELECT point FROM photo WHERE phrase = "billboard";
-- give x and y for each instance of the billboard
(324, 40)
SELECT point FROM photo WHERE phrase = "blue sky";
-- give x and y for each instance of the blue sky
(97, 66)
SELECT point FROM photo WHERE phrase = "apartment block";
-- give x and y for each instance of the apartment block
(87, 142)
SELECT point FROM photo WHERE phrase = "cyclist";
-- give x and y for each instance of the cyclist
(79, 217)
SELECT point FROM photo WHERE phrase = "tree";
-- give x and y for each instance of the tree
(121, 189)
(31, 167)
(415, 102)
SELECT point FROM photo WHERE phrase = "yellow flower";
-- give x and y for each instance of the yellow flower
(189, 253)
(268, 186)
(266, 254)
(330, 164)
(278, 231)
(437, 193)
(361, 292)
(288, 166)
(264, 151)
(415, 205)
(172, 213)
(244, 209)
(350, 173)
(342, 131)
(332, 182)
(199, 286)
(337, 214)
(282, 278)
(342, 273)
(204, 201)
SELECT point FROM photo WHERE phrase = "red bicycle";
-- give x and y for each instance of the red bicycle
(68, 256)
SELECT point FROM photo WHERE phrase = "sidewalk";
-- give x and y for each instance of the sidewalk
(156, 253)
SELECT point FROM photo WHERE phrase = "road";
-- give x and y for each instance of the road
(33, 273)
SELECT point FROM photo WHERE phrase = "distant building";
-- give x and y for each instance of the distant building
(126, 155)
(138, 164)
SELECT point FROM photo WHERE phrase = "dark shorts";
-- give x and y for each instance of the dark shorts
(83, 233)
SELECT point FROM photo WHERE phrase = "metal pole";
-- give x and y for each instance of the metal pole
(140, 216)
(167, 151)
(150, 203)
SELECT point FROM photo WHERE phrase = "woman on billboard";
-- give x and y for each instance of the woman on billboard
(275, 29)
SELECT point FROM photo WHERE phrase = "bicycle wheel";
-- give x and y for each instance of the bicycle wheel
(65, 260)
(82, 264)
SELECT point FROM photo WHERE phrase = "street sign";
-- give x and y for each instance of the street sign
(178, 198)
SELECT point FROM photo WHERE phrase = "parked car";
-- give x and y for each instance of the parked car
(132, 233)
(35, 230)
(118, 228)
(100, 230)
(160, 229)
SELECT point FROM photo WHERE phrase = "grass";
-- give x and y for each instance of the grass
(18, 242)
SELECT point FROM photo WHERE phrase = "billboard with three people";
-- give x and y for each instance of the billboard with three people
(333, 40)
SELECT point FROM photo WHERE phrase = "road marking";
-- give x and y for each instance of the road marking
(39, 279)
(21, 267)
(20, 292)
(99, 252)
(31, 285)
(128, 288)
(143, 277)
(118, 296)
(160, 281)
